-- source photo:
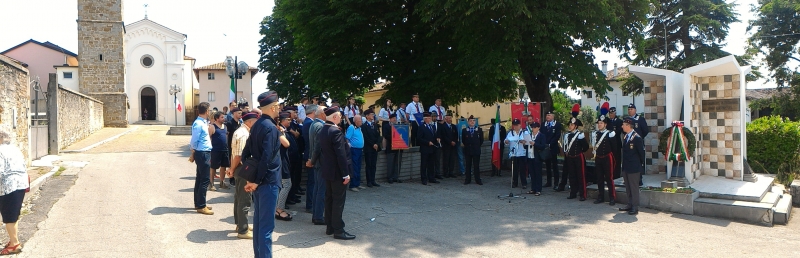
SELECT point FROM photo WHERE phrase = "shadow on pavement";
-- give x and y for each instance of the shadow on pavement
(188, 177)
(704, 220)
(170, 210)
(203, 236)
(187, 190)
(623, 217)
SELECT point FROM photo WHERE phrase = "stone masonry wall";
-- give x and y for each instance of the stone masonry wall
(655, 111)
(78, 116)
(14, 96)
(102, 58)
(720, 137)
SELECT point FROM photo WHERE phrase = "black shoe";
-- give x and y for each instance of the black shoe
(492, 175)
(466, 183)
(369, 185)
(572, 197)
(391, 182)
(439, 177)
(290, 202)
(513, 186)
(318, 222)
(328, 231)
(559, 189)
(582, 199)
(376, 185)
(424, 183)
(398, 181)
(633, 212)
(344, 236)
(302, 189)
(624, 209)
(612, 203)
(301, 192)
(547, 185)
(479, 182)
(435, 181)
(297, 200)
(598, 201)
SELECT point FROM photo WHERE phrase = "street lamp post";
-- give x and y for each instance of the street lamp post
(174, 90)
(235, 70)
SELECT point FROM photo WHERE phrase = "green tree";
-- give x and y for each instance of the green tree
(348, 45)
(548, 43)
(695, 33)
(776, 37)
(280, 60)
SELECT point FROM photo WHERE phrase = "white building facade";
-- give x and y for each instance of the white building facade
(154, 62)
(616, 97)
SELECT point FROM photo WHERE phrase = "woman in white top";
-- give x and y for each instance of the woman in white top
(515, 140)
(386, 110)
(13, 182)
(351, 109)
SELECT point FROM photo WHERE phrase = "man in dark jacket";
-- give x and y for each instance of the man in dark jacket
(336, 173)
(552, 131)
(372, 145)
(495, 170)
(263, 146)
(392, 156)
(295, 158)
(632, 165)
(426, 137)
(449, 136)
(574, 161)
(472, 139)
(311, 115)
(615, 125)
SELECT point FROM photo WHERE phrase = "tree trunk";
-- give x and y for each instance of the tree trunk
(538, 87)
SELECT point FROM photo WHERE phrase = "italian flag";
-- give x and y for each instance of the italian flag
(233, 90)
(496, 140)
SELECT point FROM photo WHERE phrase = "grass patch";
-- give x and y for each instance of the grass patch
(60, 169)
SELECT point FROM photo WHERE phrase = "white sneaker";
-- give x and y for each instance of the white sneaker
(362, 187)
(354, 189)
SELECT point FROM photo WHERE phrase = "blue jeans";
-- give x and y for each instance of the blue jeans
(201, 180)
(356, 153)
(265, 200)
(309, 187)
(318, 198)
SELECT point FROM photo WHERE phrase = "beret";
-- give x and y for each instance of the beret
(267, 98)
(290, 108)
(628, 121)
(331, 110)
(285, 115)
(249, 116)
(426, 114)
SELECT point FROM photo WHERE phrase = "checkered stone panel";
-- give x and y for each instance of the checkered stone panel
(655, 100)
(718, 133)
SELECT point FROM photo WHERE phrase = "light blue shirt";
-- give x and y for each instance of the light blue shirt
(355, 137)
(201, 141)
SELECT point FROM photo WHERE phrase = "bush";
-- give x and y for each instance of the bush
(773, 144)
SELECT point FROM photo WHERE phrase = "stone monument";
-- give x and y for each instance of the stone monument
(101, 57)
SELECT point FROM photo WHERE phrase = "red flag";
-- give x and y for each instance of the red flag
(397, 140)
(179, 108)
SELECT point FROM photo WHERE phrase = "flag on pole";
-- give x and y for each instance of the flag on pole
(496, 140)
(233, 90)
(177, 104)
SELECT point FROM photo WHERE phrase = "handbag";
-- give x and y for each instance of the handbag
(249, 170)
(545, 153)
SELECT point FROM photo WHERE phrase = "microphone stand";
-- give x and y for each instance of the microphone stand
(511, 193)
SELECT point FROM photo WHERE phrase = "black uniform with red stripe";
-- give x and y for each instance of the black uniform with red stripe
(575, 163)
(605, 162)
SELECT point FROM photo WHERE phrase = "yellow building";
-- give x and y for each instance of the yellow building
(465, 109)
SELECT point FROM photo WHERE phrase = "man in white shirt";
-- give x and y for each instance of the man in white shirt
(413, 108)
(402, 118)
(515, 140)
(437, 110)
(301, 109)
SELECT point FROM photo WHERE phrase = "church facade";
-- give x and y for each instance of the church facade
(155, 64)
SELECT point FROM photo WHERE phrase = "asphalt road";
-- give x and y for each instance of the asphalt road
(139, 204)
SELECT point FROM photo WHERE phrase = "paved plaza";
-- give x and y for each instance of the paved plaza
(139, 204)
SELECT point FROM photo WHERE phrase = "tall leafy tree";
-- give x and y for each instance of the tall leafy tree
(348, 45)
(776, 37)
(695, 33)
(549, 43)
(280, 60)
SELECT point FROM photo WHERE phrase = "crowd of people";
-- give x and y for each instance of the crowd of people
(280, 143)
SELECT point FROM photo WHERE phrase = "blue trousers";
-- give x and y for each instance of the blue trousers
(309, 187)
(318, 199)
(461, 168)
(201, 180)
(535, 171)
(265, 200)
(355, 154)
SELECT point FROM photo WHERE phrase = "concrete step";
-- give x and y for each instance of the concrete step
(757, 197)
(749, 212)
(783, 210)
(180, 130)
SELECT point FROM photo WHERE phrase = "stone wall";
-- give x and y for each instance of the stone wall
(409, 166)
(14, 99)
(655, 112)
(78, 116)
(102, 58)
(720, 127)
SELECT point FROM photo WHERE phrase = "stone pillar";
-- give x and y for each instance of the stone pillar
(52, 114)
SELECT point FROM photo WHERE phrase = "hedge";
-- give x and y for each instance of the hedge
(773, 142)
